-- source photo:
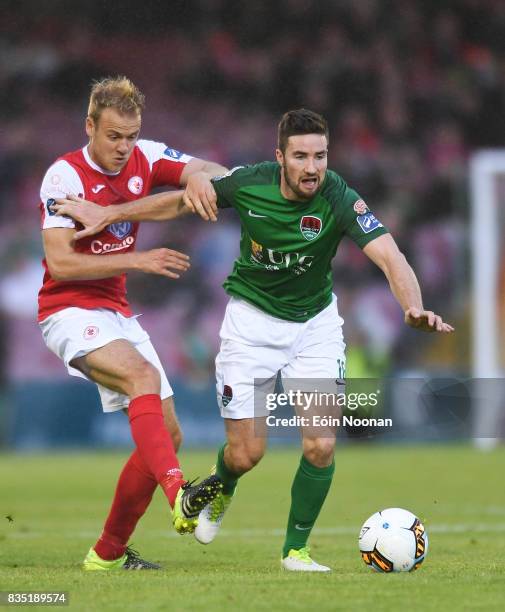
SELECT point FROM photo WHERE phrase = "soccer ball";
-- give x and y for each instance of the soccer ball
(393, 540)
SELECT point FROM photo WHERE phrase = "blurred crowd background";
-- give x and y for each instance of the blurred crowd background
(410, 88)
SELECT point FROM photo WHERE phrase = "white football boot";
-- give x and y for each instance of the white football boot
(300, 561)
(211, 517)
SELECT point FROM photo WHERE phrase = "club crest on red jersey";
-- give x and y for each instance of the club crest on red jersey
(310, 227)
(120, 230)
(135, 185)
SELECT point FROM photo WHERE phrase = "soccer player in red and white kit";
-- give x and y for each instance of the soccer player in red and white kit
(85, 317)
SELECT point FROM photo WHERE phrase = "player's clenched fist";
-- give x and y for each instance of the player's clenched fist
(200, 196)
(163, 261)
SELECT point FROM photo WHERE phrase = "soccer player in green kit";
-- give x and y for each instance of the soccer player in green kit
(282, 315)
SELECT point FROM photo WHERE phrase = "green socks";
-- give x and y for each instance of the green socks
(308, 492)
(228, 477)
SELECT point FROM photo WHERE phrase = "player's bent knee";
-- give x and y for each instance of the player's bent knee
(319, 451)
(150, 375)
(244, 458)
(144, 379)
(243, 464)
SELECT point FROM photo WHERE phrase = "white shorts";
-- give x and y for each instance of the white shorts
(74, 332)
(256, 345)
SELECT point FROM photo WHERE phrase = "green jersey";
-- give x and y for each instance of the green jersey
(286, 247)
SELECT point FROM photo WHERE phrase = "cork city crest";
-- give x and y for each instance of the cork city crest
(310, 227)
(227, 395)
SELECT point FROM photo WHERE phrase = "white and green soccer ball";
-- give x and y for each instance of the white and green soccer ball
(393, 540)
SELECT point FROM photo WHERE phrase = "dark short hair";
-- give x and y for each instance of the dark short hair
(300, 121)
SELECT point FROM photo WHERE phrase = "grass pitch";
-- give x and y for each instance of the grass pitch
(58, 504)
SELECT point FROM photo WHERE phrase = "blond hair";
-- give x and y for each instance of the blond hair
(115, 92)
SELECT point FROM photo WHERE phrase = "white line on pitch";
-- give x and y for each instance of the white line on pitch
(265, 533)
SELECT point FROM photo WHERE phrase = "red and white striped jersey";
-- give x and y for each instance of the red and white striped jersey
(151, 164)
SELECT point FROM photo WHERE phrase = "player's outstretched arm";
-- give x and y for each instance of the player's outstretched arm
(199, 195)
(65, 264)
(384, 252)
(159, 207)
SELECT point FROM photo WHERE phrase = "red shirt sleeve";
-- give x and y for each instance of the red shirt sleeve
(166, 163)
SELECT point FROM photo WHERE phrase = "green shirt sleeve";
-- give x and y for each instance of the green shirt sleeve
(353, 215)
(225, 187)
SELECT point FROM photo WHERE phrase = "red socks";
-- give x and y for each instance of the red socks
(134, 491)
(154, 443)
(153, 462)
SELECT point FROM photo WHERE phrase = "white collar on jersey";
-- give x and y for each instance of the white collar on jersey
(87, 157)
